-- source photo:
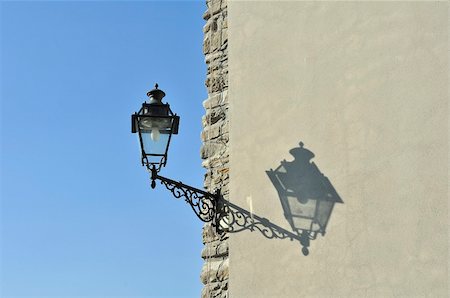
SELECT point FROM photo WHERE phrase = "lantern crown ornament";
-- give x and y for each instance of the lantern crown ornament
(306, 195)
(156, 95)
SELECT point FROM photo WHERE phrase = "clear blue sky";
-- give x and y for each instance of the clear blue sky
(78, 216)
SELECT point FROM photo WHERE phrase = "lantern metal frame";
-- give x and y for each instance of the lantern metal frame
(205, 205)
(137, 117)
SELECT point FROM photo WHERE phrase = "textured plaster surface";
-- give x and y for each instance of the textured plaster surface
(364, 86)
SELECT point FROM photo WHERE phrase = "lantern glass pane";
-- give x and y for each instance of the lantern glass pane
(153, 159)
(155, 132)
(155, 141)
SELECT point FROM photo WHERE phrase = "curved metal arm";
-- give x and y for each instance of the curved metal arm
(202, 203)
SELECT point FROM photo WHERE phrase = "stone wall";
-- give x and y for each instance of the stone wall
(214, 151)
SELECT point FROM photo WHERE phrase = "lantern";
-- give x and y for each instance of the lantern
(155, 123)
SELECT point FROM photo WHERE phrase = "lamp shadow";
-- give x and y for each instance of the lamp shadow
(307, 198)
(306, 195)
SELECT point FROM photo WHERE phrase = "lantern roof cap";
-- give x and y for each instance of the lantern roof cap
(156, 95)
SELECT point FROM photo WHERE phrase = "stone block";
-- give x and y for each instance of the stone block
(216, 99)
(216, 40)
(206, 15)
(214, 6)
(214, 58)
(215, 83)
(209, 233)
(224, 36)
(215, 249)
(206, 45)
(215, 115)
(211, 149)
(214, 270)
(225, 23)
(215, 161)
(211, 132)
(215, 290)
(206, 27)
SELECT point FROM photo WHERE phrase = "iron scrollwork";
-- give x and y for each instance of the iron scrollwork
(226, 216)
(203, 203)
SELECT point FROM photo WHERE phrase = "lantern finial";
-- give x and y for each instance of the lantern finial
(156, 95)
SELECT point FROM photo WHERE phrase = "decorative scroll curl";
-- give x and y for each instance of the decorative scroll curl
(226, 216)
(202, 203)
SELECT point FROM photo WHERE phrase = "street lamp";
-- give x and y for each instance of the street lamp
(155, 123)
(306, 195)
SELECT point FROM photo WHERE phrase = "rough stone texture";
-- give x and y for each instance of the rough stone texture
(214, 151)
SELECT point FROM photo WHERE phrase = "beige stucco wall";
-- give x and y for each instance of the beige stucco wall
(364, 86)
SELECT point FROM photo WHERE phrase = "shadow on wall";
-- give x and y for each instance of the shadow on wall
(235, 219)
(306, 195)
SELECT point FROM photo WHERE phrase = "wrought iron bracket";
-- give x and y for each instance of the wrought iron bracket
(204, 204)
